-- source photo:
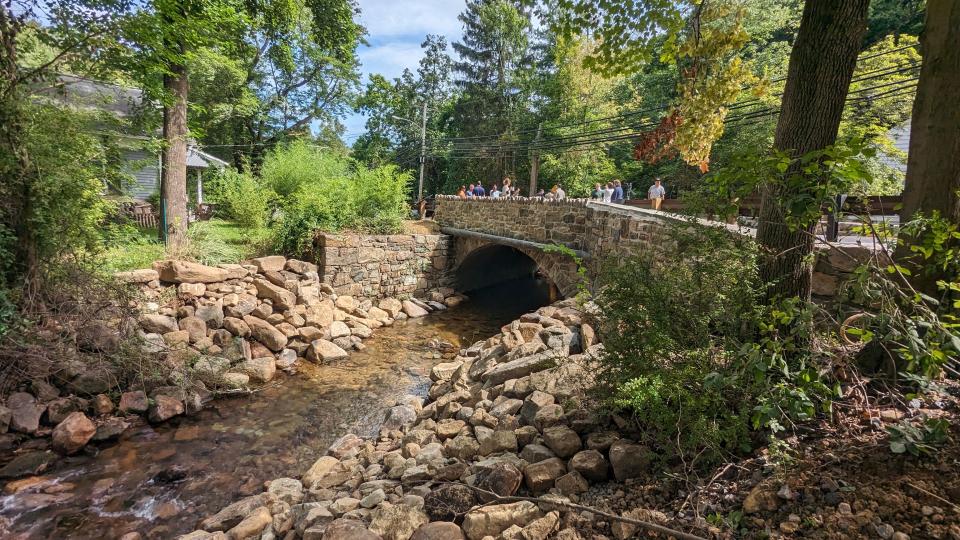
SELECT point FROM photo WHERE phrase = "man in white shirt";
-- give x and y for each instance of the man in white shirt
(656, 194)
(561, 194)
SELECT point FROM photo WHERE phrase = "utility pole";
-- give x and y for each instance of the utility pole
(535, 166)
(423, 150)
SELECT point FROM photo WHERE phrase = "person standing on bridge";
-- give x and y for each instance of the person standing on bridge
(462, 193)
(479, 191)
(561, 194)
(470, 191)
(494, 192)
(656, 194)
(507, 190)
(608, 192)
(617, 197)
(597, 192)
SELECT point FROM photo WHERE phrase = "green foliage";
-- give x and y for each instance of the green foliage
(583, 280)
(919, 440)
(919, 334)
(329, 192)
(240, 197)
(806, 183)
(289, 169)
(671, 327)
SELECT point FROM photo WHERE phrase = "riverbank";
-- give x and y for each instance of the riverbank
(507, 446)
(159, 479)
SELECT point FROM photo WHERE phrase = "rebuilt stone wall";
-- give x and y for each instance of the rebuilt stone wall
(381, 266)
(602, 231)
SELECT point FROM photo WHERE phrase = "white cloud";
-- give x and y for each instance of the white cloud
(390, 58)
(391, 18)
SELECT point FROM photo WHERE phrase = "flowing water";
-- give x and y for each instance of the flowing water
(161, 480)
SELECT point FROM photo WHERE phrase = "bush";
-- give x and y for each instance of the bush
(671, 328)
(241, 197)
(337, 195)
(286, 170)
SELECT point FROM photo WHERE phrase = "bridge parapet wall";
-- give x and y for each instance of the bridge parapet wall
(532, 220)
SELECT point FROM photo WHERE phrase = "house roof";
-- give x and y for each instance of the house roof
(200, 159)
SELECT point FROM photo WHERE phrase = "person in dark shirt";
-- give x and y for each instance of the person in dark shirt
(479, 191)
(617, 193)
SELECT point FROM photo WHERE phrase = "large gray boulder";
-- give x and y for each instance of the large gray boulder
(188, 272)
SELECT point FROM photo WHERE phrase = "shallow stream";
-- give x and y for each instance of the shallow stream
(161, 480)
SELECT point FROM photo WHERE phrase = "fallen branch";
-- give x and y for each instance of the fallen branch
(579, 507)
(935, 496)
(242, 391)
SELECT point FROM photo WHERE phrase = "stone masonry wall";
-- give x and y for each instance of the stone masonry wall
(380, 266)
(606, 230)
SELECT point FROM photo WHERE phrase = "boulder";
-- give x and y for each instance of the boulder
(94, 380)
(541, 476)
(463, 446)
(211, 314)
(266, 333)
(158, 324)
(134, 402)
(251, 525)
(318, 470)
(348, 529)
(188, 272)
(492, 520)
(572, 483)
(98, 337)
(397, 522)
(520, 367)
(449, 501)
(322, 350)
(339, 329)
(392, 306)
(591, 464)
(231, 515)
(272, 263)
(562, 440)
(398, 417)
(143, 275)
(165, 408)
(413, 310)
(535, 453)
(236, 326)
(73, 433)
(494, 442)
(438, 530)
(25, 412)
(59, 409)
(110, 427)
(281, 298)
(502, 478)
(288, 490)
(102, 404)
(628, 459)
(259, 369)
(234, 380)
(533, 403)
(195, 327)
(345, 446)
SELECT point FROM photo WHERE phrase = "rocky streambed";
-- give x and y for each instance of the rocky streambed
(503, 417)
(157, 479)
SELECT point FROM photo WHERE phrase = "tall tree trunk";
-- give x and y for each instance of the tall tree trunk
(933, 162)
(821, 66)
(174, 177)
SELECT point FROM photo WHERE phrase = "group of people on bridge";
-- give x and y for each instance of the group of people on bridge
(612, 192)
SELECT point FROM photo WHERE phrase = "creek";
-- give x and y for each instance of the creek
(161, 480)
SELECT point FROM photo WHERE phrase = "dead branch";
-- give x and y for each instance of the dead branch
(579, 507)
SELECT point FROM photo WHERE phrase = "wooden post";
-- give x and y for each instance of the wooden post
(535, 166)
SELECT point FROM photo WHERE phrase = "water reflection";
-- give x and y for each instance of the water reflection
(161, 480)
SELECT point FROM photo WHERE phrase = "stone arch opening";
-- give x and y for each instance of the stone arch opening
(494, 264)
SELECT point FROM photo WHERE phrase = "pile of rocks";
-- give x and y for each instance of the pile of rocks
(216, 328)
(503, 417)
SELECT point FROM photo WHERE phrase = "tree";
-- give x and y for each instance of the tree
(821, 65)
(163, 39)
(492, 73)
(32, 170)
(933, 170)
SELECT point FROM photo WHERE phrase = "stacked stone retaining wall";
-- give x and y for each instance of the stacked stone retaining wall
(381, 266)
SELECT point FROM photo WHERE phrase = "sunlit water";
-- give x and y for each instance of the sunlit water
(160, 481)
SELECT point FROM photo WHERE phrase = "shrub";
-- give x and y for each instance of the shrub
(671, 328)
(241, 197)
(336, 195)
(287, 169)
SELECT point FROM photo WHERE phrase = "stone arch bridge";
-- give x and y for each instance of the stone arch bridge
(500, 239)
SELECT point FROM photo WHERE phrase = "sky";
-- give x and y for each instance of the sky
(395, 30)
